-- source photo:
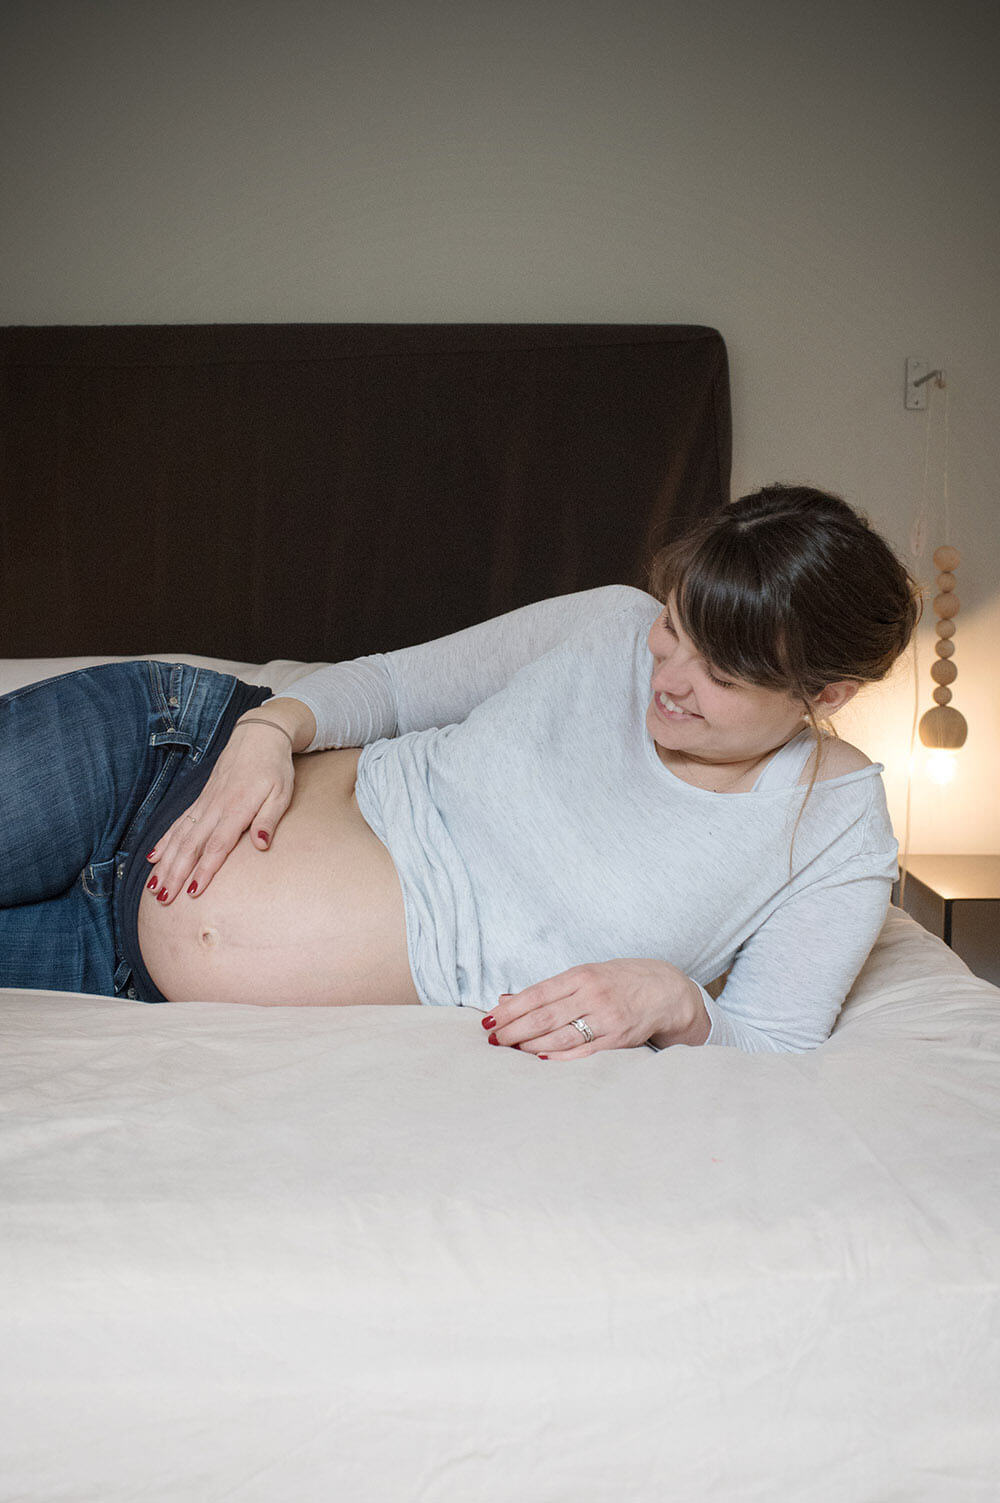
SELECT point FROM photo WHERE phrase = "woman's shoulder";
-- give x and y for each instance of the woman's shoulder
(837, 758)
(616, 599)
(619, 616)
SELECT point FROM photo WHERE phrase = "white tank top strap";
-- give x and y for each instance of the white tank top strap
(785, 768)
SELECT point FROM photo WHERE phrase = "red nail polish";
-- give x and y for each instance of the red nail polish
(162, 896)
(494, 1039)
(543, 1056)
(192, 888)
(151, 854)
(151, 884)
(489, 1021)
(263, 835)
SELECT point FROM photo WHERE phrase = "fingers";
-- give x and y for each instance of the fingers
(536, 1011)
(223, 839)
(249, 789)
(194, 848)
(176, 856)
(268, 818)
(562, 1042)
(561, 1054)
(539, 1019)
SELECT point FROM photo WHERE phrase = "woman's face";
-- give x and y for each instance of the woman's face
(709, 718)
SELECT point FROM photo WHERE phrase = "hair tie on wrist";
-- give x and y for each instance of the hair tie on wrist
(260, 720)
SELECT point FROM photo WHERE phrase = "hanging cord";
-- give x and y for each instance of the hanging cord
(947, 446)
(909, 773)
(922, 520)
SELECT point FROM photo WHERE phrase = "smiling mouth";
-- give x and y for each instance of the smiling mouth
(670, 711)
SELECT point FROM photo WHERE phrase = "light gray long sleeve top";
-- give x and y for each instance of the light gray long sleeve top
(510, 774)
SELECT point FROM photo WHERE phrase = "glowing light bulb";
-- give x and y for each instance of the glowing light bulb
(941, 766)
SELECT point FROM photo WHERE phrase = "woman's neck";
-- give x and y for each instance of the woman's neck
(734, 776)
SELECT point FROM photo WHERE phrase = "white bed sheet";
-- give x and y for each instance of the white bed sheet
(356, 1253)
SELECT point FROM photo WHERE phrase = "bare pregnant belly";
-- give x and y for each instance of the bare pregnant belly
(316, 920)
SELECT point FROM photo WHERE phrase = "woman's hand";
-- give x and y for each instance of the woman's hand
(623, 1002)
(249, 788)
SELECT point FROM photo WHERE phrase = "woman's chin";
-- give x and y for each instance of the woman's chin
(672, 734)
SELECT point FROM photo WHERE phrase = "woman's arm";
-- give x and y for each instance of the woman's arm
(783, 993)
(438, 683)
(788, 982)
(353, 704)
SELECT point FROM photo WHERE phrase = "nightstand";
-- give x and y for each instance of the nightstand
(958, 899)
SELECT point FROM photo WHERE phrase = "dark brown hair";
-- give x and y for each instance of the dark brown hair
(791, 589)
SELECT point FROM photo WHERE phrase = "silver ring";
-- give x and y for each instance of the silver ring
(582, 1026)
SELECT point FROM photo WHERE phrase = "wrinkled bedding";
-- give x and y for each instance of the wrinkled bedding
(355, 1253)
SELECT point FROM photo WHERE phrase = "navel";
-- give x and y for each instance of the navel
(209, 937)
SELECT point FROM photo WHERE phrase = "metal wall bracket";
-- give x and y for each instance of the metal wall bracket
(918, 378)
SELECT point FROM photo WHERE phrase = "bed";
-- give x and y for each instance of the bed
(354, 1253)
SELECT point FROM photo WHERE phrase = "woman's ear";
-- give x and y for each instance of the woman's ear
(834, 697)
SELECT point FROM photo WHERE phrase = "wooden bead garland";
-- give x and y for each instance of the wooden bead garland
(944, 726)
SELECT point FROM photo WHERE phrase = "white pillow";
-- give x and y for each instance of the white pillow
(278, 674)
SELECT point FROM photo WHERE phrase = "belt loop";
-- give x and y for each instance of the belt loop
(174, 692)
(156, 687)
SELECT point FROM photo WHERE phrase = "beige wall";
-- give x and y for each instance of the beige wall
(819, 182)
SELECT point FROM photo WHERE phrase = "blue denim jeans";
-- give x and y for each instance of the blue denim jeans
(85, 761)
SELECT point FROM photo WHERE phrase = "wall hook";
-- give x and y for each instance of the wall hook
(917, 378)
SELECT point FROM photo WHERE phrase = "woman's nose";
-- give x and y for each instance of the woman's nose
(672, 659)
(672, 678)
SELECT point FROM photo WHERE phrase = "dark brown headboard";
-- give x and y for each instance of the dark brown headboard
(322, 491)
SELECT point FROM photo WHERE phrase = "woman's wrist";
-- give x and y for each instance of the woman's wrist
(291, 716)
(689, 1022)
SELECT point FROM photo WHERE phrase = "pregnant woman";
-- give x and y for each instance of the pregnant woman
(572, 817)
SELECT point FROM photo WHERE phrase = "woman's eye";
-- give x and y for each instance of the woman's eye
(668, 626)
